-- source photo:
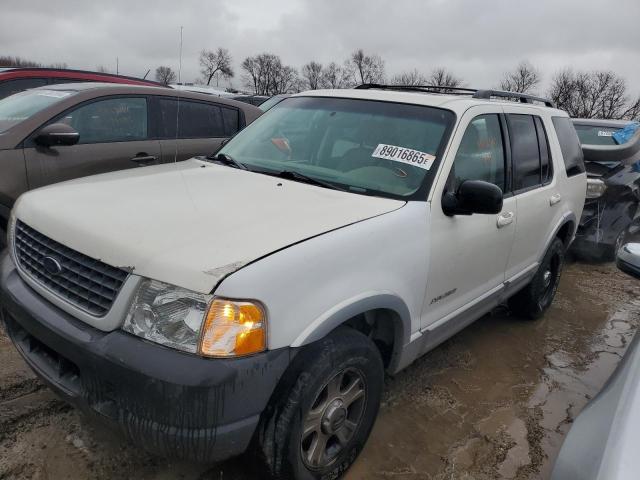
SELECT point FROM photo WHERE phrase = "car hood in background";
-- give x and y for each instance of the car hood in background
(189, 224)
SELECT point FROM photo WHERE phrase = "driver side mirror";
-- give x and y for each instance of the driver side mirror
(57, 134)
(473, 196)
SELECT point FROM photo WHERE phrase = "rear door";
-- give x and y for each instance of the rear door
(187, 128)
(114, 135)
(534, 187)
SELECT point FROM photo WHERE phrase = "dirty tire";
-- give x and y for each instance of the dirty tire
(533, 300)
(354, 359)
(612, 251)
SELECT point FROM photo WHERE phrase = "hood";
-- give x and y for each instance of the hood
(191, 223)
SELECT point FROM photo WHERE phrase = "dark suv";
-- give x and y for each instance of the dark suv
(56, 133)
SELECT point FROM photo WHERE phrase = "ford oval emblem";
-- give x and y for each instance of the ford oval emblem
(52, 265)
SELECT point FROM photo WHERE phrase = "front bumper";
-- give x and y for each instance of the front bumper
(168, 402)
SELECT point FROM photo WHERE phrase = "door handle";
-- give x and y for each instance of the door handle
(142, 159)
(555, 198)
(505, 218)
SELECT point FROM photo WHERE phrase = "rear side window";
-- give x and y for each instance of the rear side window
(546, 165)
(112, 120)
(595, 135)
(231, 121)
(569, 145)
(196, 120)
(20, 84)
(525, 151)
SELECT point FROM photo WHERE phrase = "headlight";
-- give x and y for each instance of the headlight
(595, 188)
(195, 322)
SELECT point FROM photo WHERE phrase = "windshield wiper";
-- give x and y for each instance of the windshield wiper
(301, 177)
(227, 159)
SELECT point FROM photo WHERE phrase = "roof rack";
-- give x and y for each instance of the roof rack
(479, 94)
(520, 97)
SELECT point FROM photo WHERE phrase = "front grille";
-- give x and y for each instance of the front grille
(84, 282)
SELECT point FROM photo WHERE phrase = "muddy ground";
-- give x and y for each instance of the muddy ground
(495, 401)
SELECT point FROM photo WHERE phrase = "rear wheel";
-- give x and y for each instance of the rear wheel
(533, 300)
(318, 426)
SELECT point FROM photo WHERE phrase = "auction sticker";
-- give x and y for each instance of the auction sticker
(404, 155)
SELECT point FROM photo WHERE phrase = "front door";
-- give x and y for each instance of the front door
(469, 253)
(113, 136)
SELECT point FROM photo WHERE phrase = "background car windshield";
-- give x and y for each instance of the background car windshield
(19, 107)
(334, 139)
(596, 134)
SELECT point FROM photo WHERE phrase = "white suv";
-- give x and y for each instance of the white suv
(262, 293)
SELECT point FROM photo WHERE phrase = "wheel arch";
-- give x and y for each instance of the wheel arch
(384, 317)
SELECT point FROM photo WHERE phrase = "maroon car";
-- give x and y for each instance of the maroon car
(17, 79)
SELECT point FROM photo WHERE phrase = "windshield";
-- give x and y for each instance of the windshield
(596, 134)
(17, 108)
(363, 146)
(267, 105)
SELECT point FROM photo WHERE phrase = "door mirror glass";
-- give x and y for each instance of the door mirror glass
(473, 196)
(628, 259)
(57, 134)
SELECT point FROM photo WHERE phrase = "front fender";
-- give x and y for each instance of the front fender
(352, 307)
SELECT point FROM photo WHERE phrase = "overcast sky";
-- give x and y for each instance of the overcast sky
(476, 39)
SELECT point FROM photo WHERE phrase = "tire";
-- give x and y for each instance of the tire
(3, 239)
(533, 300)
(334, 387)
(612, 251)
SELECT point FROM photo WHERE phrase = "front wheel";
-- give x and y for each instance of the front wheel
(318, 426)
(534, 299)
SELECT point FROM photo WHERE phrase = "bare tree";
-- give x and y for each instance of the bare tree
(367, 68)
(524, 79)
(8, 61)
(266, 74)
(413, 77)
(312, 74)
(441, 77)
(165, 75)
(215, 63)
(102, 69)
(599, 94)
(335, 76)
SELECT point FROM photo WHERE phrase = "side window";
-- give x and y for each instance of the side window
(569, 145)
(231, 121)
(546, 165)
(525, 151)
(112, 120)
(19, 84)
(196, 120)
(481, 153)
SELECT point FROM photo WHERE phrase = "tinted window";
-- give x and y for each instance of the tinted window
(19, 84)
(19, 107)
(481, 153)
(546, 165)
(570, 145)
(525, 153)
(596, 135)
(197, 120)
(231, 121)
(112, 120)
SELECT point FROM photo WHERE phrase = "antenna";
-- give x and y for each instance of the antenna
(175, 157)
(145, 75)
(117, 65)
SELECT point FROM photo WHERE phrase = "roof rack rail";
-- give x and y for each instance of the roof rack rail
(520, 97)
(479, 94)
(419, 88)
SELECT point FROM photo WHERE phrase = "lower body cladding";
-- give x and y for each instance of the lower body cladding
(168, 402)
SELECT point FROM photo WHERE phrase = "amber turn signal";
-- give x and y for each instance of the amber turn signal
(233, 328)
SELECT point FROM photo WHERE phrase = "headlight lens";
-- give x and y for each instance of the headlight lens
(195, 322)
(167, 315)
(595, 188)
